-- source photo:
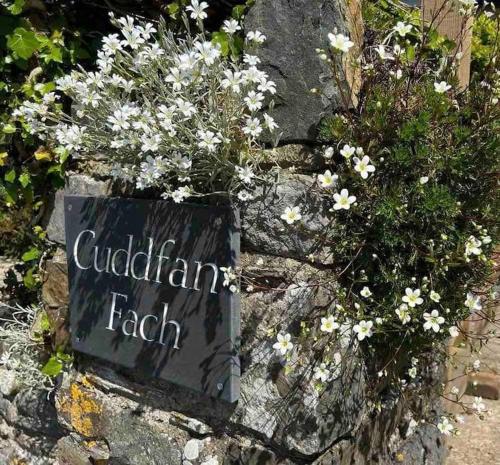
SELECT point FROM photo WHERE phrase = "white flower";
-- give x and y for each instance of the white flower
(434, 296)
(347, 151)
(403, 28)
(111, 44)
(365, 292)
(244, 196)
(229, 275)
(398, 74)
(245, 174)
(207, 52)
(251, 60)
(252, 127)
(233, 80)
(321, 373)
(150, 143)
(412, 372)
(328, 324)
(412, 297)
(119, 120)
(283, 345)
(133, 39)
(363, 329)
(343, 200)
(467, 6)
(253, 75)
(177, 77)
(254, 100)
(455, 391)
(208, 140)
(70, 136)
(445, 427)
(291, 215)
(269, 122)
(267, 86)
(383, 54)
(398, 51)
(197, 9)
(476, 364)
(328, 153)
(256, 36)
(486, 240)
(363, 166)
(340, 42)
(441, 87)
(453, 330)
(473, 246)
(231, 26)
(327, 179)
(180, 194)
(473, 302)
(424, 180)
(185, 107)
(432, 321)
(403, 313)
(478, 405)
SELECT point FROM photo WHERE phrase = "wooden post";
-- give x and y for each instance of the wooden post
(449, 22)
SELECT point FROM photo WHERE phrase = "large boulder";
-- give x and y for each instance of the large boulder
(264, 230)
(76, 184)
(294, 30)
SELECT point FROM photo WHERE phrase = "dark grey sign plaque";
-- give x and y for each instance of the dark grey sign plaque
(147, 291)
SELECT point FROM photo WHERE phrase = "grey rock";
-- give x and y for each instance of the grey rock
(425, 446)
(77, 184)
(36, 414)
(133, 442)
(263, 229)
(294, 30)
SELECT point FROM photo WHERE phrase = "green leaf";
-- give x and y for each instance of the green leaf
(53, 367)
(222, 39)
(31, 254)
(23, 42)
(29, 279)
(45, 325)
(25, 179)
(238, 11)
(10, 176)
(173, 9)
(9, 128)
(17, 7)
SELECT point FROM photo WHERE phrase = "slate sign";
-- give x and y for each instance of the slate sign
(147, 293)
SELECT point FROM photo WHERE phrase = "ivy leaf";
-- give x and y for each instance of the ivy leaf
(17, 7)
(25, 179)
(42, 154)
(10, 176)
(23, 42)
(9, 128)
(31, 254)
(53, 367)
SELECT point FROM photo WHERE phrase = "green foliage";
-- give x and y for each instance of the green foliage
(31, 58)
(436, 155)
(485, 41)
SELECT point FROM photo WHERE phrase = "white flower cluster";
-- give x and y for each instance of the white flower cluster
(170, 112)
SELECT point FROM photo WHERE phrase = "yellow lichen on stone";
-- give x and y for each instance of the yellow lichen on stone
(400, 457)
(81, 407)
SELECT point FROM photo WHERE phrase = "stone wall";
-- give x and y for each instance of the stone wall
(98, 415)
